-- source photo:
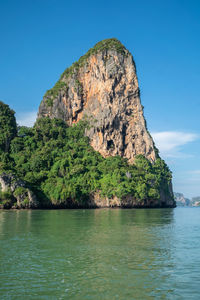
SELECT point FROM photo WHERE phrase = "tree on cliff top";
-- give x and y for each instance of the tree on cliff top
(8, 126)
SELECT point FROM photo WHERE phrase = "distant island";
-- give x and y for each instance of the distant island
(181, 200)
(90, 146)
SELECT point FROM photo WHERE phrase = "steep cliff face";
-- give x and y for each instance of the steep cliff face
(181, 200)
(102, 87)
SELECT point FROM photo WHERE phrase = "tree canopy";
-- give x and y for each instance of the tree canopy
(8, 126)
(59, 164)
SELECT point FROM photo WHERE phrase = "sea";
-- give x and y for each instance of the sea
(100, 254)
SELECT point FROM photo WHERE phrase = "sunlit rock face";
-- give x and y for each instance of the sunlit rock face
(102, 87)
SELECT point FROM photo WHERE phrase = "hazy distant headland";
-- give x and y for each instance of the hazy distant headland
(181, 200)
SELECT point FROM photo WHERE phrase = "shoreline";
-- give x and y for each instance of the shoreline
(89, 208)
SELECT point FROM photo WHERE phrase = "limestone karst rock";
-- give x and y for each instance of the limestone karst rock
(22, 195)
(102, 87)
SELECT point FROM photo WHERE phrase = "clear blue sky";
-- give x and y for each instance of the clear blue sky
(40, 38)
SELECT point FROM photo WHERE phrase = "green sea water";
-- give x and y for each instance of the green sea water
(100, 254)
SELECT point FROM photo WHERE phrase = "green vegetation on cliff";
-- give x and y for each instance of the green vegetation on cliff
(105, 45)
(59, 165)
(8, 127)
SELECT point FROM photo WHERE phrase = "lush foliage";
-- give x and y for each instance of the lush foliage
(6, 199)
(8, 127)
(58, 163)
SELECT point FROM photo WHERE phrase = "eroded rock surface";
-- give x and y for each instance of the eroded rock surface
(22, 196)
(96, 200)
(102, 87)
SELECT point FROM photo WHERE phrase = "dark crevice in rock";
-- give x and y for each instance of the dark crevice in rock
(116, 123)
(110, 144)
(123, 138)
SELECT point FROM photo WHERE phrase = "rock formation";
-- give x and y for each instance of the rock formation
(102, 87)
(96, 200)
(23, 197)
(181, 200)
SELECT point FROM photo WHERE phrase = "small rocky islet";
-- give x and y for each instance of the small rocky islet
(90, 146)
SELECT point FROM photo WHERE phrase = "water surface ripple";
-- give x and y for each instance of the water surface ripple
(100, 254)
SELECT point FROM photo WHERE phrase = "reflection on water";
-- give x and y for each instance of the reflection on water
(100, 254)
